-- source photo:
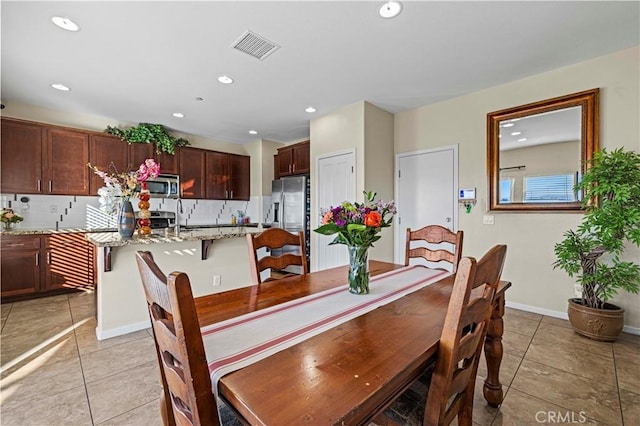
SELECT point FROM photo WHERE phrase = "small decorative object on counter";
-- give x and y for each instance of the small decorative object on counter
(8, 218)
(144, 215)
(121, 188)
(358, 226)
(233, 219)
(240, 217)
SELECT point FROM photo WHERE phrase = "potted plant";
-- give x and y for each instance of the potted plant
(594, 252)
(148, 133)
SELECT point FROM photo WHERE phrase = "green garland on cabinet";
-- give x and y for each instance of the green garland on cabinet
(148, 133)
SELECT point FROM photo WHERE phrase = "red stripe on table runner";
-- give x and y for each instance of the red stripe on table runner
(292, 304)
(222, 362)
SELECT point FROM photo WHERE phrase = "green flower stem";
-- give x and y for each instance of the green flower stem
(358, 269)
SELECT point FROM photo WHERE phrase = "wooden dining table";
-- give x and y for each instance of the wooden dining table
(350, 372)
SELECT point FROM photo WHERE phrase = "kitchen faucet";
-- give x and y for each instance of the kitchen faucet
(179, 211)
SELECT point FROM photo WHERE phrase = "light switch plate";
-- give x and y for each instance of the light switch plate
(488, 219)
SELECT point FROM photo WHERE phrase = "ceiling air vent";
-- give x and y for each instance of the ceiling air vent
(255, 45)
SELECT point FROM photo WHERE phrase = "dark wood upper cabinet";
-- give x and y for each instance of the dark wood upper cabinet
(240, 177)
(192, 172)
(139, 152)
(106, 152)
(21, 157)
(293, 160)
(218, 175)
(228, 176)
(67, 155)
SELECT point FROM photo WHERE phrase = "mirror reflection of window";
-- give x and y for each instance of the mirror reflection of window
(506, 190)
(550, 189)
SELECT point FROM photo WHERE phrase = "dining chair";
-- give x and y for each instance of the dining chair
(434, 235)
(451, 385)
(274, 239)
(183, 365)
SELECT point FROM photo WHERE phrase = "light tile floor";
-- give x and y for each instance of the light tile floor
(55, 372)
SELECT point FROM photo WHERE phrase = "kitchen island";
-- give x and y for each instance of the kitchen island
(215, 259)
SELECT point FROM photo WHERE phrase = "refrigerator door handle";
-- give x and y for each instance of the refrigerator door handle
(282, 212)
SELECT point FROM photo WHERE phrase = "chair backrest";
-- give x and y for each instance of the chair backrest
(434, 234)
(183, 365)
(275, 238)
(465, 327)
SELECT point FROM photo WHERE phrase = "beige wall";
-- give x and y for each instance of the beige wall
(269, 149)
(368, 130)
(530, 236)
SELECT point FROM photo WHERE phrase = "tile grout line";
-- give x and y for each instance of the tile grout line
(84, 380)
(615, 371)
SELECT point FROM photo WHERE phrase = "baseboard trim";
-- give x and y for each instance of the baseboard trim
(558, 314)
(119, 331)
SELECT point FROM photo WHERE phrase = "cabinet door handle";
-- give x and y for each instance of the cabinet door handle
(50, 186)
(231, 194)
(37, 259)
(49, 258)
(294, 167)
(226, 194)
(39, 185)
(289, 168)
(16, 245)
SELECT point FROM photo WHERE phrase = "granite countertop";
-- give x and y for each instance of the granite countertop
(112, 239)
(184, 228)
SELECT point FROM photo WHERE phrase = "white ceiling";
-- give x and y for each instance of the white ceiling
(142, 61)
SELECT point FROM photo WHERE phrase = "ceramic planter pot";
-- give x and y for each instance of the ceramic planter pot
(597, 324)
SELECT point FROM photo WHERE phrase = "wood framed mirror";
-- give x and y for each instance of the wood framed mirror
(536, 152)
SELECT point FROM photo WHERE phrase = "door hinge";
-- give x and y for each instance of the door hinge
(351, 169)
(399, 220)
(398, 173)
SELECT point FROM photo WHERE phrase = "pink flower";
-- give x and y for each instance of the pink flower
(327, 218)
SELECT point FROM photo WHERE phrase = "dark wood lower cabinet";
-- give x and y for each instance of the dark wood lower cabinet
(20, 266)
(39, 265)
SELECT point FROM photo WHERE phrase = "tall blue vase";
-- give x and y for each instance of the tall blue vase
(126, 220)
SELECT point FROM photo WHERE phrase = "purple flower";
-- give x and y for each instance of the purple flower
(341, 222)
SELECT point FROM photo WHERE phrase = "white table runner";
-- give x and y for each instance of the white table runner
(241, 341)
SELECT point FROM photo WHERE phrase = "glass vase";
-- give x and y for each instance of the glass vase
(126, 220)
(358, 269)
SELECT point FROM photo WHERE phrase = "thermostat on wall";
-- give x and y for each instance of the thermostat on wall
(467, 194)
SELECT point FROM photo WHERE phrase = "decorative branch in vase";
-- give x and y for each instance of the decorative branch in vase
(120, 188)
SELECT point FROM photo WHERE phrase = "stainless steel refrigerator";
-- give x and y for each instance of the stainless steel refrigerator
(291, 209)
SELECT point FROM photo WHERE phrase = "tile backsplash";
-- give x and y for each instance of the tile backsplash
(61, 211)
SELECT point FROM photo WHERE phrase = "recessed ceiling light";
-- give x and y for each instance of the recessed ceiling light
(310, 109)
(225, 79)
(390, 9)
(65, 24)
(507, 125)
(253, 132)
(522, 139)
(516, 133)
(60, 87)
(178, 115)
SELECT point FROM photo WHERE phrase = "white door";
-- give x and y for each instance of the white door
(336, 183)
(426, 192)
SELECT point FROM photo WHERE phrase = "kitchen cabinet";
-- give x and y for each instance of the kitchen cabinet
(65, 165)
(228, 176)
(21, 157)
(45, 264)
(107, 153)
(293, 160)
(41, 159)
(192, 172)
(68, 262)
(139, 152)
(19, 265)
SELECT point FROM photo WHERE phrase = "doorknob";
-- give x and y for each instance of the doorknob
(448, 219)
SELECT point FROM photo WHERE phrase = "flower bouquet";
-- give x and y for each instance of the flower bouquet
(358, 226)
(8, 218)
(120, 188)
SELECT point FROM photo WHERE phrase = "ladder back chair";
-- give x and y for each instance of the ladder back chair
(183, 365)
(274, 239)
(438, 235)
(451, 387)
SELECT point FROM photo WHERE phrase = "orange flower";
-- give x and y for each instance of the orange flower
(373, 219)
(327, 218)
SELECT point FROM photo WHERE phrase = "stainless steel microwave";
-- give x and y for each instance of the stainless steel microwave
(164, 186)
